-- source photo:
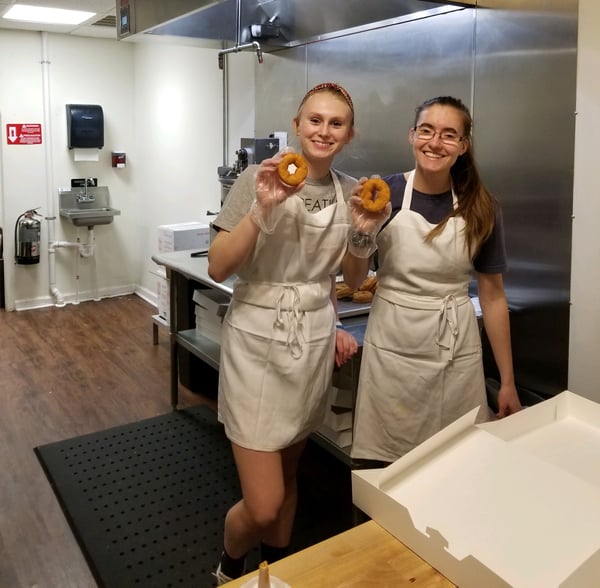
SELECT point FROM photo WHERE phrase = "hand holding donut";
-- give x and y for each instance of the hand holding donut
(272, 190)
(369, 208)
(292, 169)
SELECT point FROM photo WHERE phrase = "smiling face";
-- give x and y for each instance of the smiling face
(438, 139)
(324, 126)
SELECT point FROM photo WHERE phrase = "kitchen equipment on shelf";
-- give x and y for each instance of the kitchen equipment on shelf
(250, 151)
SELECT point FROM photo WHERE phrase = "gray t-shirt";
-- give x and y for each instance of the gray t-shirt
(316, 194)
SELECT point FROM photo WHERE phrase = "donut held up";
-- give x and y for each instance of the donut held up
(375, 194)
(292, 169)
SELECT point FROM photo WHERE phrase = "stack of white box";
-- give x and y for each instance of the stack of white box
(181, 236)
(177, 237)
(211, 306)
(338, 420)
(162, 292)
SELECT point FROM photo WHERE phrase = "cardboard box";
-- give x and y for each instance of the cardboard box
(162, 298)
(341, 397)
(182, 236)
(214, 301)
(208, 325)
(339, 418)
(340, 438)
(512, 503)
(210, 308)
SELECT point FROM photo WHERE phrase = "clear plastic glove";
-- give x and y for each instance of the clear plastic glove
(270, 193)
(364, 224)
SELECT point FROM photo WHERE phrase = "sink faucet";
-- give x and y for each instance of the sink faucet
(83, 195)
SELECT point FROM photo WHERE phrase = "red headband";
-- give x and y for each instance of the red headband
(329, 86)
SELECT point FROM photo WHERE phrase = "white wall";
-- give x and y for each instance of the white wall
(584, 345)
(179, 131)
(77, 70)
(163, 106)
(178, 114)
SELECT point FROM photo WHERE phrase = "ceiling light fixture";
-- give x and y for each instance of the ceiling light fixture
(26, 13)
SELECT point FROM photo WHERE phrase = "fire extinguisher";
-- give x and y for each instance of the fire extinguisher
(27, 238)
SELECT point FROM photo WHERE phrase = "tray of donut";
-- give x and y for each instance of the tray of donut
(355, 302)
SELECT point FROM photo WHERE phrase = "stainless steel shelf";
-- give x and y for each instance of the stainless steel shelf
(203, 347)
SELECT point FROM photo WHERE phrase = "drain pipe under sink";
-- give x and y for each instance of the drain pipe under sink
(83, 250)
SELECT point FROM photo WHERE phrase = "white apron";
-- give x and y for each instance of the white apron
(421, 365)
(278, 338)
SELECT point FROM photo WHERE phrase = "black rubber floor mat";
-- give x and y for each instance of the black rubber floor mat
(147, 501)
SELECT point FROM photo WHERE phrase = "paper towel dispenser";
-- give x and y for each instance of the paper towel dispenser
(85, 126)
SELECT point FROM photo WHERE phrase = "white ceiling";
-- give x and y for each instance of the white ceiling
(100, 25)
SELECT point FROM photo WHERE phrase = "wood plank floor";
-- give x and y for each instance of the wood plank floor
(66, 372)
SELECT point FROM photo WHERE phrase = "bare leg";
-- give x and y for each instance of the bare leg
(268, 506)
(279, 533)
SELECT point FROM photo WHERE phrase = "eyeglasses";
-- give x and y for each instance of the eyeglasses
(426, 133)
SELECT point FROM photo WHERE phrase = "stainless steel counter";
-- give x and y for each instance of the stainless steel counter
(196, 268)
(193, 268)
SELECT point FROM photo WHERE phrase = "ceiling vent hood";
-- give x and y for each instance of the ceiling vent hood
(274, 23)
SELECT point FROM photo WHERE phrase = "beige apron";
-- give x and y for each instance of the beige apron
(278, 338)
(421, 366)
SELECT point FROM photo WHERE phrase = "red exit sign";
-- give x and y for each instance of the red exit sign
(24, 134)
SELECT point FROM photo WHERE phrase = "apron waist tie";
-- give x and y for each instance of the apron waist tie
(295, 339)
(448, 322)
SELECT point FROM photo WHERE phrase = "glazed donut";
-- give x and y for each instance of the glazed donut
(362, 296)
(300, 169)
(342, 290)
(375, 194)
(369, 284)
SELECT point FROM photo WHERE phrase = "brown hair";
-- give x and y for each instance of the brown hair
(332, 88)
(475, 203)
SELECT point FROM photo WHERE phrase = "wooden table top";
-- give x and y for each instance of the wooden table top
(366, 556)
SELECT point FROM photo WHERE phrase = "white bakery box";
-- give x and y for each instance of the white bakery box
(181, 236)
(514, 502)
(177, 237)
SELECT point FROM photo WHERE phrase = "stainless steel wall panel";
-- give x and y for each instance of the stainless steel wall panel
(387, 71)
(515, 66)
(281, 81)
(525, 114)
(524, 108)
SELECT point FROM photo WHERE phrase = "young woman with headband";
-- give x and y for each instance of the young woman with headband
(279, 340)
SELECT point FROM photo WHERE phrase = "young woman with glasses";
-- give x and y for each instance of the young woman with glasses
(421, 364)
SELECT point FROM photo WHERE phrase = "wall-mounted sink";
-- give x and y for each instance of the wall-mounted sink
(90, 216)
(86, 208)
